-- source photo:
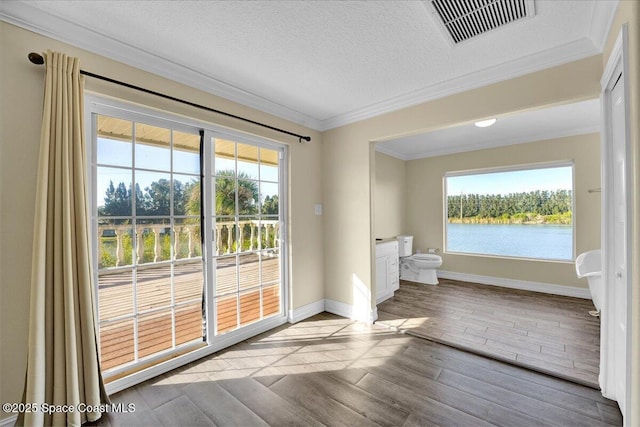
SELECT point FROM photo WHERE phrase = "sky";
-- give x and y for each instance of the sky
(518, 181)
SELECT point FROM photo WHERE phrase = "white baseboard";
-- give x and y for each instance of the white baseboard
(547, 288)
(9, 421)
(349, 311)
(306, 311)
(334, 307)
(338, 308)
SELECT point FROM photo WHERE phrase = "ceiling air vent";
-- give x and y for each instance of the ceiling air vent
(464, 19)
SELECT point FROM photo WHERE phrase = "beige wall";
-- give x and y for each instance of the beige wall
(21, 94)
(629, 13)
(425, 207)
(347, 157)
(390, 196)
(334, 249)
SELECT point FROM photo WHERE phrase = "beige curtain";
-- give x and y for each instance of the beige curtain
(62, 364)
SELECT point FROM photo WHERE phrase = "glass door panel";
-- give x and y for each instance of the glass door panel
(247, 161)
(227, 313)
(189, 322)
(250, 309)
(150, 274)
(155, 332)
(271, 299)
(247, 233)
(116, 343)
(248, 271)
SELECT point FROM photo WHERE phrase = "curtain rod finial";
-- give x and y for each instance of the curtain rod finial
(36, 58)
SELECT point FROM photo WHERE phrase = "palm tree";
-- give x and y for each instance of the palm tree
(226, 194)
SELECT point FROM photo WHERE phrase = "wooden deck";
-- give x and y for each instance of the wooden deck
(237, 304)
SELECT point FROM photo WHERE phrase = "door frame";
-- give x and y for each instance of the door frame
(617, 67)
(210, 133)
(100, 104)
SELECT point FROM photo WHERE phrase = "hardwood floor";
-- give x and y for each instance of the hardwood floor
(548, 333)
(328, 370)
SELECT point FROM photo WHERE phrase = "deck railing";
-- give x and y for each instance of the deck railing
(153, 242)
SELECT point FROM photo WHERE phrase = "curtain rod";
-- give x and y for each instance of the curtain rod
(38, 59)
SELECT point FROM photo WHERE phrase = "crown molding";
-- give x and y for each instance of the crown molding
(34, 19)
(570, 52)
(385, 150)
(601, 20)
(543, 136)
(615, 57)
(27, 16)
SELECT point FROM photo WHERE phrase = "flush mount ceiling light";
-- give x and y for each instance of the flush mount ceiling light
(485, 123)
(464, 19)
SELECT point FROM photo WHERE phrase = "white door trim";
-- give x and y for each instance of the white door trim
(617, 67)
(99, 104)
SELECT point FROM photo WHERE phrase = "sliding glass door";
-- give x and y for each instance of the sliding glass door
(166, 282)
(246, 224)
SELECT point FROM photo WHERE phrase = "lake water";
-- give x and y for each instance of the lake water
(523, 241)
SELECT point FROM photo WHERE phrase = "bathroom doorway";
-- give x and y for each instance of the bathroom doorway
(409, 199)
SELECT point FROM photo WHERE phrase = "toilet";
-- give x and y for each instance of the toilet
(417, 267)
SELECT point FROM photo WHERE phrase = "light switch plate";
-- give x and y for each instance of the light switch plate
(318, 209)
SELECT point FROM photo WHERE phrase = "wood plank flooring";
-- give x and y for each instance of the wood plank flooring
(328, 370)
(548, 333)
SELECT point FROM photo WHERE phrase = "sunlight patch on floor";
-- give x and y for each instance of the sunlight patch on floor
(307, 347)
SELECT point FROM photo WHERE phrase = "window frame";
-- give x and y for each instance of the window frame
(102, 105)
(511, 168)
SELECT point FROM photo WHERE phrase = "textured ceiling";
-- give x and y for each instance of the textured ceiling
(320, 63)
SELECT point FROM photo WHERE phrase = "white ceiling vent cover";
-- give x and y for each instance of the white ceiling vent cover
(464, 19)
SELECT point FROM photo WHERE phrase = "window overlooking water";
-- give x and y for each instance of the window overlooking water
(523, 213)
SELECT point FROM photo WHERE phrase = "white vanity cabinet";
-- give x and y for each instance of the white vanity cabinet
(387, 271)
